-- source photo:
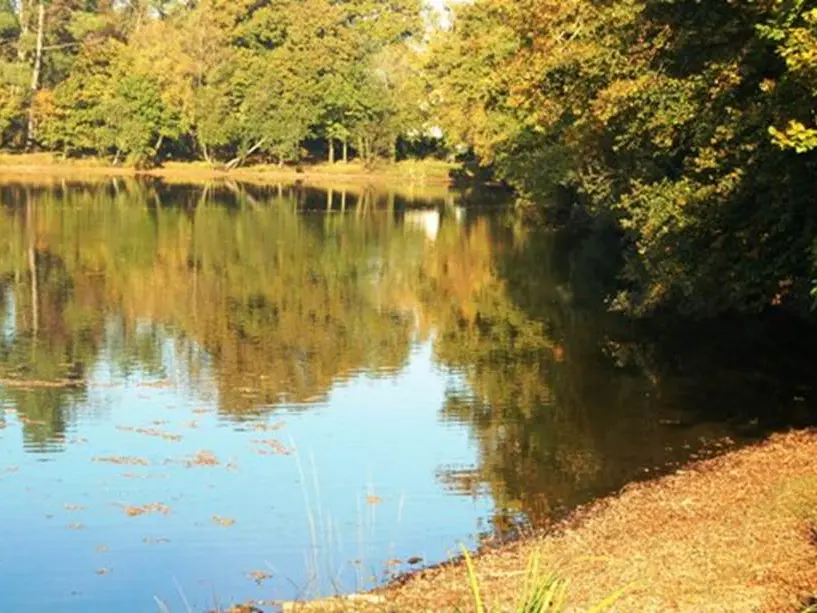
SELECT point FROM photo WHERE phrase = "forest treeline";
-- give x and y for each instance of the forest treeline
(216, 80)
(688, 125)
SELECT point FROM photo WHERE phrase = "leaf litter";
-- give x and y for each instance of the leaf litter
(731, 533)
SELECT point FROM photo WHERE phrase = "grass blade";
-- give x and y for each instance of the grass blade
(479, 607)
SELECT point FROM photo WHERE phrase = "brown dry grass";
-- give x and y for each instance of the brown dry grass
(733, 533)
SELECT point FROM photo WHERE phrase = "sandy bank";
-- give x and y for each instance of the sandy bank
(429, 172)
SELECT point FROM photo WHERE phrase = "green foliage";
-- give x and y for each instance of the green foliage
(218, 79)
(693, 124)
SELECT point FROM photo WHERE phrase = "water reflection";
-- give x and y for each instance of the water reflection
(150, 330)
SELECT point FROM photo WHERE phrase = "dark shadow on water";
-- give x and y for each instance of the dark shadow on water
(569, 402)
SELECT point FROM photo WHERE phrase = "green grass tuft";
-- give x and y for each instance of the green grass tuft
(541, 592)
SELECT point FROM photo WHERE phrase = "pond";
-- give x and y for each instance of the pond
(223, 393)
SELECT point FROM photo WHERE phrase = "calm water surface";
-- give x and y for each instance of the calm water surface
(221, 394)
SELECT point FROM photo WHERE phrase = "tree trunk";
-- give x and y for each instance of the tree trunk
(237, 161)
(331, 150)
(345, 151)
(158, 146)
(35, 75)
(204, 151)
(21, 55)
(394, 151)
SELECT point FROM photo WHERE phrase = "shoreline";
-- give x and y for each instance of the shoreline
(426, 173)
(737, 532)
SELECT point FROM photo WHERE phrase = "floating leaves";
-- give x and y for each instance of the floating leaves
(122, 460)
(163, 384)
(270, 446)
(155, 432)
(373, 500)
(203, 458)
(226, 522)
(146, 509)
(268, 427)
(39, 384)
(259, 576)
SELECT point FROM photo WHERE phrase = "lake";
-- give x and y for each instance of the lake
(223, 393)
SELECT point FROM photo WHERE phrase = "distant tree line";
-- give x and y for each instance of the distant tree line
(217, 80)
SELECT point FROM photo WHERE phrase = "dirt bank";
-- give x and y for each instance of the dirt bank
(735, 533)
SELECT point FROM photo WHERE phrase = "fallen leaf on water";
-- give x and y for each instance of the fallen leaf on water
(223, 521)
(145, 509)
(268, 427)
(275, 447)
(168, 436)
(164, 383)
(122, 460)
(102, 549)
(259, 576)
(203, 458)
(372, 499)
(102, 571)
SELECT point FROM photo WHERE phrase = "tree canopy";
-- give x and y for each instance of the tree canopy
(217, 80)
(691, 124)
